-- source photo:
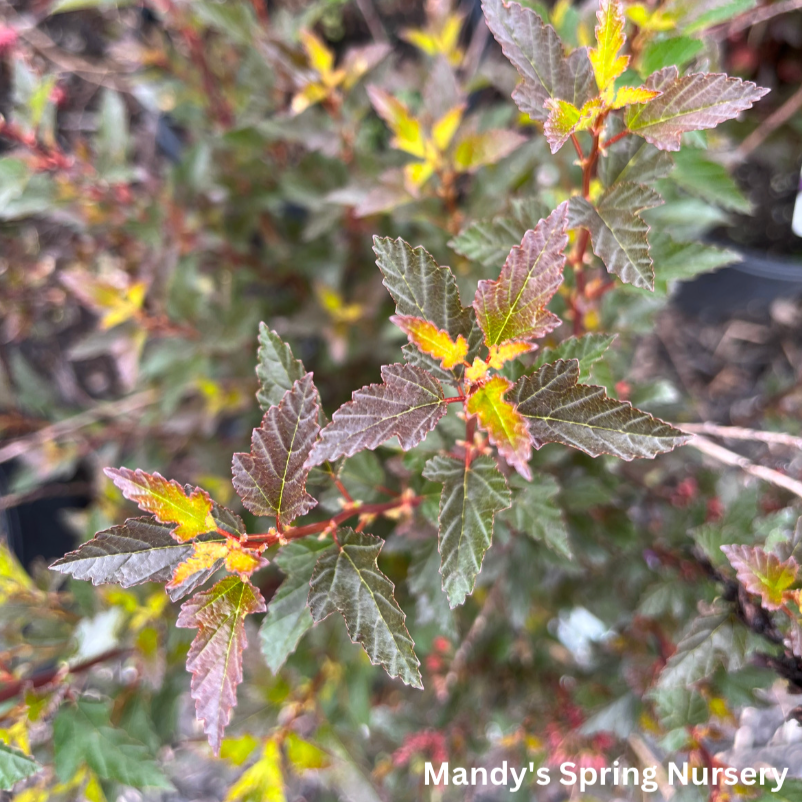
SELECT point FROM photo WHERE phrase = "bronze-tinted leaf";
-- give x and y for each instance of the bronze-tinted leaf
(271, 480)
(215, 657)
(276, 368)
(514, 306)
(536, 51)
(689, 103)
(408, 406)
(618, 232)
(558, 410)
(348, 579)
(763, 573)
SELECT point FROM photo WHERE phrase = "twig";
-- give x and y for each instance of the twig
(770, 125)
(754, 17)
(113, 409)
(724, 455)
(368, 11)
(741, 433)
(46, 491)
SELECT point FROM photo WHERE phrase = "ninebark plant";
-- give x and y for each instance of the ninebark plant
(475, 362)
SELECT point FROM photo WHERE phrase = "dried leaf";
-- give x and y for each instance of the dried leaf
(536, 52)
(215, 657)
(763, 574)
(469, 501)
(618, 232)
(433, 341)
(689, 103)
(504, 425)
(276, 368)
(271, 480)
(558, 410)
(408, 405)
(514, 306)
(167, 500)
(348, 580)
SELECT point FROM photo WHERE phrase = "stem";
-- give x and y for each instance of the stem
(578, 147)
(295, 532)
(613, 140)
(457, 399)
(341, 487)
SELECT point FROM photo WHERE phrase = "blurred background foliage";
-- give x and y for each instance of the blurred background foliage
(173, 172)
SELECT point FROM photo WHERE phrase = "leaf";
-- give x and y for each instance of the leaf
(348, 580)
(433, 341)
(444, 129)
(208, 556)
(263, 781)
(424, 580)
(408, 132)
(408, 405)
(304, 756)
(288, 617)
(422, 288)
(167, 500)
(481, 148)
(587, 350)
(711, 641)
(709, 181)
(215, 657)
(514, 306)
(471, 496)
(83, 735)
(632, 159)
(489, 241)
(321, 59)
(536, 52)
(618, 232)
(271, 480)
(504, 425)
(676, 261)
(499, 355)
(566, 119)
(696, 15)
(15, 765)
(692, 102)
(629, 95)
(677, 51)
(140, 550)
(558, 410)
(607, 64)
(763, 574)
(13, 579)
(537, 513)
(276, 368)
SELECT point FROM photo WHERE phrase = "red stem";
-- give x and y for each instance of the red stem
(615, 139)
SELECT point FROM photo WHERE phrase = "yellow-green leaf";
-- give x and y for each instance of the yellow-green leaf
(504, 425)
(262, 782)
(444, 129)
(628, 95)
(408, 132)
(607, 64)
(320, 57)
(167, 500)
(433, 341)
(762, 573)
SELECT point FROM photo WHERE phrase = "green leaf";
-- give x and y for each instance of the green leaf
(679, 707)
(478, 149)
(558, 410)
(695, 15)
(632, 159)
(288, 617)
(536, 51)
(537, 513)
(215, 657)
(689, 103)
(677, 261)
(271, 480)
(469, 501)
(408, 405)
(276, 369)
(587, 350)
(348, 580)
(63, 6)
(513, 307)
(15, 766)
(83, 735)
(431, 604)
(709, 181)
(422, 288)
(711, 641)
(617, 231)
(489, 241)
(677, 51)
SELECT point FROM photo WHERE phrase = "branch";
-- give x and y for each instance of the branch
(770, 125)
(741, 433)
(727, 457)
(755, 17)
